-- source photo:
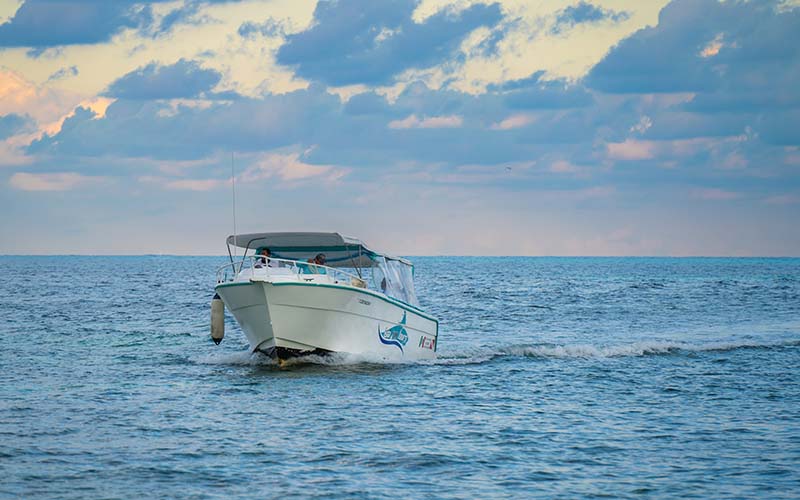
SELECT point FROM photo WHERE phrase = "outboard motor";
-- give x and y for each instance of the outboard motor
(217, 319)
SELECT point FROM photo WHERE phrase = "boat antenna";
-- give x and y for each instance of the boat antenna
(233, 188)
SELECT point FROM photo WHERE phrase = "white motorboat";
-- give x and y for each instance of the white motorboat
(349, 300)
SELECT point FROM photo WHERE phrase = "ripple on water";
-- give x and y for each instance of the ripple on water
(555, 378)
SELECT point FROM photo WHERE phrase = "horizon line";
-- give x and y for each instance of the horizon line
(697, 256)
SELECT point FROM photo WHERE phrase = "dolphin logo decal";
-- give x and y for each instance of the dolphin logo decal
(395, 335)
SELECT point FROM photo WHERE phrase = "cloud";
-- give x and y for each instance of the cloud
(190, 13)
(290, 168)
(734, 54)
(13, 124)
(183, 79)
(585, 13)
(184, 184)
(181, 15)
(564, 167)
(269, 28)
(732, 63)
(421, 124)
(533, 92)
(513, 121)
(573, 133)
(46, 106)
(367, 42)
(146, 128)
(60, 181)
(41, 24)
(367, 103)
(715, 194)
(63, 73)
(490, 45)
(632, 150)
(427, 122)
(550, 95)
(611, 150)
(47, 23)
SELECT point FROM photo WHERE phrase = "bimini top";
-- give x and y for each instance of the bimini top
(340, 251)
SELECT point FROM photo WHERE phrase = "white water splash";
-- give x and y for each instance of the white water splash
(485, 355)
(638, 348)
(344, 359)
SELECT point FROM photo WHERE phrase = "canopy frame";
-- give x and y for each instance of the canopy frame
(302, 245)
(341, 251)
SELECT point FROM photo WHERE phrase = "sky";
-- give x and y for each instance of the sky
(423, 127)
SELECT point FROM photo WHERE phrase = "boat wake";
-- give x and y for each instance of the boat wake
(588, 351)
(641, 349)
(486, 355)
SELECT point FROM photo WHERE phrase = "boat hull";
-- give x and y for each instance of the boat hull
(290, 318)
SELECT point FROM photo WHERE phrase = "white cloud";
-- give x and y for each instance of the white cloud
(49, 107)
(514, 121)
(712, 48)
(411, 121)
(61, 181)
(631, 150)
(644, 123)
(563, 167)
(290, 168)
(19, 95)
(184, 184)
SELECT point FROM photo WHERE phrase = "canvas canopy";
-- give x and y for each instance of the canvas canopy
(340, 251)
(390, 275)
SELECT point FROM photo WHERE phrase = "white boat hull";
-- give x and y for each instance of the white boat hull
(289, 318)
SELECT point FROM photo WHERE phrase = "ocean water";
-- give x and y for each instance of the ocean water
(556, 378)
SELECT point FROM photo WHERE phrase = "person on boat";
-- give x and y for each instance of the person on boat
(319, 260)
(264, 260)
(313, 265)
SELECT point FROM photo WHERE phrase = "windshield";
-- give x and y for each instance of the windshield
(395, 279)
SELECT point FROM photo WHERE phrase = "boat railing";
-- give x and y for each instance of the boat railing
(255, 265)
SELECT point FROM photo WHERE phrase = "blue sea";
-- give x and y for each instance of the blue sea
(556, 378)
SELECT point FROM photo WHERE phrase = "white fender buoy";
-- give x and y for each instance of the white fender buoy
(217, 319)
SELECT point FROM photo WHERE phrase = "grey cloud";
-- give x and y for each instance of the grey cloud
(188, 13)
(13, 124)
(741, 60)
(268, 28)
(140, 128)
(753, 37)
(184, 79)
(527, 120)
(362, 41)
(47, 23)
(368, 103)
(310, 117)
(50, 23)
(553, 95)
(533, 92)
(181, 15)
(63, 73)
(585, 13)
